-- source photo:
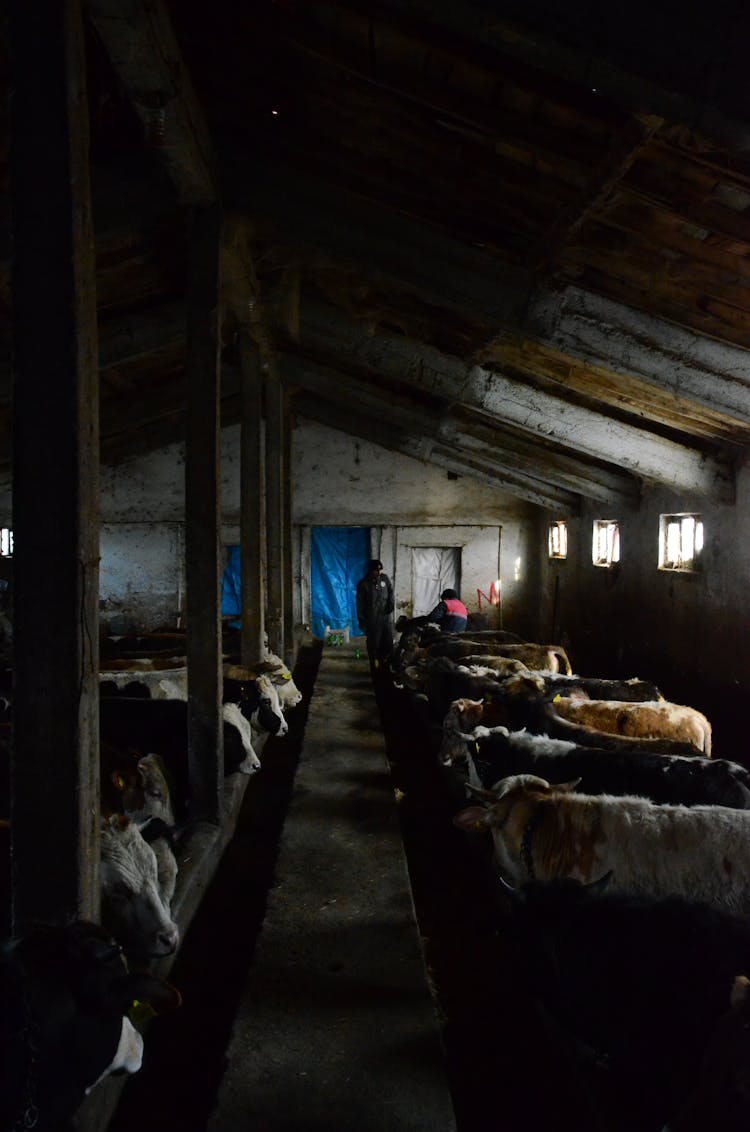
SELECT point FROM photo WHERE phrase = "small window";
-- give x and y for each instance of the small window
(680, 542)
(558, 540)
(6, 542)
(606, 543)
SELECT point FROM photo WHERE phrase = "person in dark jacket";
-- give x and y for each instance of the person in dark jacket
(375, 613)
(450, 613)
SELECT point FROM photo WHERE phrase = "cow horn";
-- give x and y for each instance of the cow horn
(478, 792)
(600, 884)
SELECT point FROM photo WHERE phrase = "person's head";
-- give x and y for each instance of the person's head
(448, 595)
(375, 567)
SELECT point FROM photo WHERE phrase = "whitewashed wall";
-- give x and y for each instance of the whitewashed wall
(337, 481)
(141, 575)
(342, 481)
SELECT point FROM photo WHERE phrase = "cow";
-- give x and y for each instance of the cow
(257, 693)
(638, 721)
(639, 983)
(289, 693)
(444, 682)
(516, 707)
(258, 700)
(159, 727)
(461, 722)
(272, 669)
(419, 644)
(544, 831)
(542, 658)
(65, 994)
(136, 785)
(633, 689)
(412, 632)
(497, 753)
(137, 890)
(246, 704)
(719, 1094)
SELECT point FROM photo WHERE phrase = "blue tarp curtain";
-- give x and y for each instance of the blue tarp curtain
(340, 556)
(231, 588)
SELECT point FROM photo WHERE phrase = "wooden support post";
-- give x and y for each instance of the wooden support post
(274, 415)
(55, 756)
(288, 654)
(251, 500)
(202, 515)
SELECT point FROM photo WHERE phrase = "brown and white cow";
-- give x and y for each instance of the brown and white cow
(542, 658)
(541, 831)
(657, 719)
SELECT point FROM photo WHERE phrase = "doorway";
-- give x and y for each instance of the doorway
(339, 557)
(433, 569)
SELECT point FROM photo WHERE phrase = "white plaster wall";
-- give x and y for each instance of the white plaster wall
(337, 480)
(342, 481)
(152, 487)
(141, 576)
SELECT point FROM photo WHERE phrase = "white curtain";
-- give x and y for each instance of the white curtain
(433, 569)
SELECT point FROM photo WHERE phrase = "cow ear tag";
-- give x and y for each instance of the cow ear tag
(556, 698)
(141, 1011)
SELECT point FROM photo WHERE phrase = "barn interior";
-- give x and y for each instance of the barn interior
(468, 278)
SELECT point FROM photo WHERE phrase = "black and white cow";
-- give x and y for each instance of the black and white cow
(65, 994)
(668, 779)
(640, 983)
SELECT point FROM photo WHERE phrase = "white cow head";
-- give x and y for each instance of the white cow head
(135, 900)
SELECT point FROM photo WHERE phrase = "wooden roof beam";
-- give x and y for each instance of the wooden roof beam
(523, 462)
(677, 361)
(140, 42)
(650, 457)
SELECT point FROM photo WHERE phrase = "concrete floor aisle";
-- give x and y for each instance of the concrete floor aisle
(335, 1027)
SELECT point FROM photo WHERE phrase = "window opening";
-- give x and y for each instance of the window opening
(558, 539)
(680, 542)
(606, 542)
(6, 542)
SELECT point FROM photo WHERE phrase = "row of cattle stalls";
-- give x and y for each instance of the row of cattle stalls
(612, 845)
(156, 861)
(63, 841)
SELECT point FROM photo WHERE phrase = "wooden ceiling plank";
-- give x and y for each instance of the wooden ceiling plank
(626, 147)
(596, 76)
(140, 42)
(604, 332)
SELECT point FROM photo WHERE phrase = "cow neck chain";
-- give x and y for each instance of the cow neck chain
(28, 1114)
(526, 859)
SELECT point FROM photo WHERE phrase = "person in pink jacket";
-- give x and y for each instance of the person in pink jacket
(450, 613)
